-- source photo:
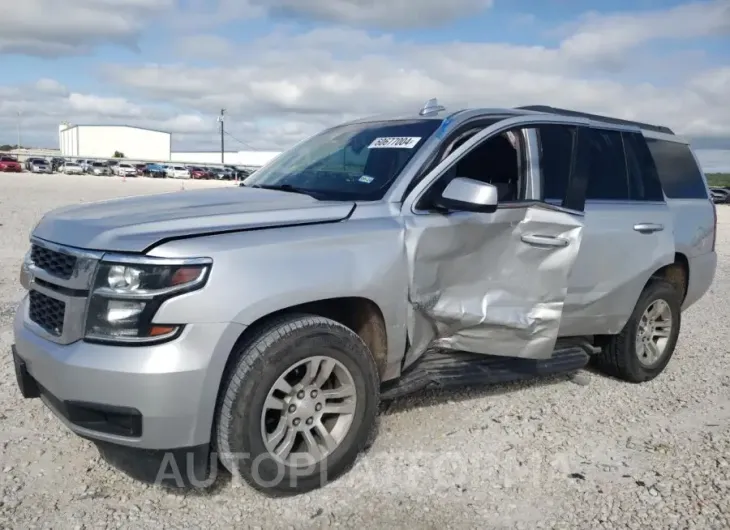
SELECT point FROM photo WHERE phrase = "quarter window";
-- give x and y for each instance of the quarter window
(678, 172)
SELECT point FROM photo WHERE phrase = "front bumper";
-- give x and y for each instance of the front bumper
(97, 391)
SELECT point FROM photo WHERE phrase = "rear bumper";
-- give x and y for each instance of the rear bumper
(149, 397)
(701, 275)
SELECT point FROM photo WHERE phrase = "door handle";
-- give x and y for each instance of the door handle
(648, 228)
(538, 240)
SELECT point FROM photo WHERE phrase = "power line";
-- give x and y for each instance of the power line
(241, 141)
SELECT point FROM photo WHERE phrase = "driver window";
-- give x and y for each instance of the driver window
(497, 161)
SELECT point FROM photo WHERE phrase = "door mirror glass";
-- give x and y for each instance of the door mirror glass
(469, 195)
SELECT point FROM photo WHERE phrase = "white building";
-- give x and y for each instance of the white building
(102, 141)
(233, 158)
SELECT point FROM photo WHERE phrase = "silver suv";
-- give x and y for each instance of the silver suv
(262, 324)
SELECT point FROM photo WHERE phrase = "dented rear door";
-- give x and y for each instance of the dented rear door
(492, 283)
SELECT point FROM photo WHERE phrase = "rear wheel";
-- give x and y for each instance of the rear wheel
(646, 344)
(299, 406)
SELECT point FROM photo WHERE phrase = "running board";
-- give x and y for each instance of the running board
(440, 369)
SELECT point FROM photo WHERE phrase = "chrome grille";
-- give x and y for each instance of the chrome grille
(58, 264)
(47, 312)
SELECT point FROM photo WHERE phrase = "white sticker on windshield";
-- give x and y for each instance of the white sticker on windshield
(396, 142)
(366, 179)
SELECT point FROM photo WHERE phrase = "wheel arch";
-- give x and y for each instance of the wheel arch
(361, 315)
(676, 273)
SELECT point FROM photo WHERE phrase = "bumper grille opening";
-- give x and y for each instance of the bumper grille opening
(58, 264)
(47, 312)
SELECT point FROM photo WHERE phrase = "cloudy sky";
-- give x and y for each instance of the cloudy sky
(284, 69)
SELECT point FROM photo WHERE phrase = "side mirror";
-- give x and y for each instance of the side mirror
(469, 195)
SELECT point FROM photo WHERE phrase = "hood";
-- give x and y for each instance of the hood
(132, 224)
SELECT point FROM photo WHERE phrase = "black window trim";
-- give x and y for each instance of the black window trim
(577, 179)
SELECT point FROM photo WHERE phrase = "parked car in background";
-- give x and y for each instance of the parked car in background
(57, 163)
(71, 168)
(177, 172)
(99, 169)
(39, 165)
(140, 169)
(217, 173)
(199, 172)
(124, 169)
(85, 164)
(155, 170)
(720, 195)
(9, 164)
(241, 173)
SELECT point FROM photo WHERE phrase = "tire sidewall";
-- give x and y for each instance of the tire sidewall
(244, 437)
(657, 291)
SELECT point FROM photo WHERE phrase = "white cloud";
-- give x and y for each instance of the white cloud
(608, 38)
(102, 106)
(50, 87)
(53, 28)
(204, 46)
(384, 14)
(338, 72)
(287, 85)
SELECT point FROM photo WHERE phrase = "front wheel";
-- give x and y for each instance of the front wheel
(298, 407)
(644, 347)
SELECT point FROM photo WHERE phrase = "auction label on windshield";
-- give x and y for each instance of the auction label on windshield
(399, 142)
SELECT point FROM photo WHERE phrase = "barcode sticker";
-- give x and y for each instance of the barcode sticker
(395, 142)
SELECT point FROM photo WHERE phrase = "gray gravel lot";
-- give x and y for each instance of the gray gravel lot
(583, 453)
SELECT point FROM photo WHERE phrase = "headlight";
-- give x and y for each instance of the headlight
(128, 292)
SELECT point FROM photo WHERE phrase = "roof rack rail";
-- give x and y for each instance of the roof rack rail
(564, 112)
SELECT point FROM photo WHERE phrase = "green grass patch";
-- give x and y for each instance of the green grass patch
(721, 180)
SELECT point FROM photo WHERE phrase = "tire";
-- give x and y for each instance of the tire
(261, 363)
(619, 357)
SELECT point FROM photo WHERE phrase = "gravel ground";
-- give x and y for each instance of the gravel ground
(585, 451)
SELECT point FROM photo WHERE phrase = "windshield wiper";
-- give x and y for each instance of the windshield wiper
(286, 187)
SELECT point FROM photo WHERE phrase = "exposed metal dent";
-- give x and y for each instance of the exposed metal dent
(476, 285)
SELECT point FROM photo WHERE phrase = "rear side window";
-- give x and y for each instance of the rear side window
(607, 174)
(644, 182)
(678, 172)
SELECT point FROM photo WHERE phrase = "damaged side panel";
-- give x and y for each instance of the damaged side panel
(490, 283)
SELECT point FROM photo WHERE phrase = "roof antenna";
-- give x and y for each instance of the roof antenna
(431, 107)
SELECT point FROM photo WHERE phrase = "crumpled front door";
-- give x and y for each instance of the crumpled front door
(490, 283)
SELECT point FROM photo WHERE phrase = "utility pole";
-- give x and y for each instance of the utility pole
(19, 137)
(220, 119)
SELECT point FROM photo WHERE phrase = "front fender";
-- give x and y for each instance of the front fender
(259, 272)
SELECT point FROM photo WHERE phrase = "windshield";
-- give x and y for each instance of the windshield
(354, 161)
